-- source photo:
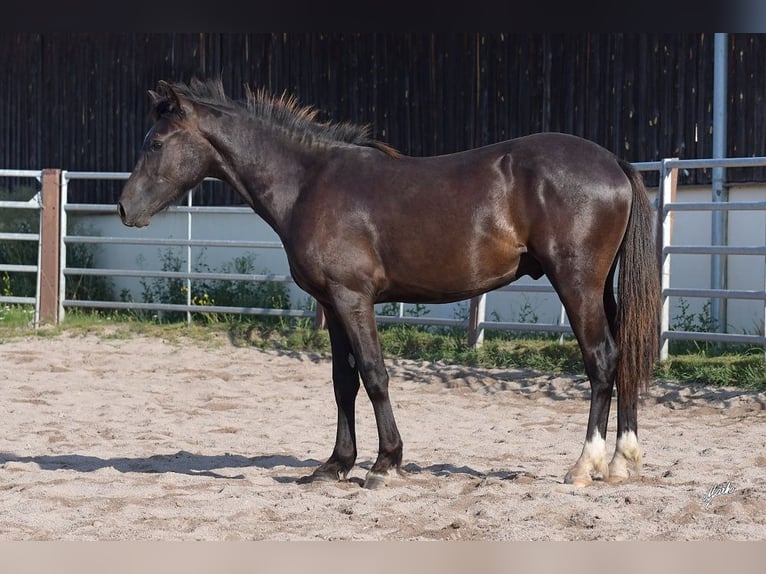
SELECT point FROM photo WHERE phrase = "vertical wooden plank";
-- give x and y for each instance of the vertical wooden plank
(705, 99)
(546, 58)
(739, 108)
(615, 85)
(569, 58)
(49, 245)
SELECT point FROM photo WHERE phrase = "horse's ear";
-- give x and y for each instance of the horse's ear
(154, 97)
(173, 103)
(156, 102)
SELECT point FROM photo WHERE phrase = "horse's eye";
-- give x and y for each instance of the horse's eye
(156, 145)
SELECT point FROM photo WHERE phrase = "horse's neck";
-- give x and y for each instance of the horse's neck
(267, 172)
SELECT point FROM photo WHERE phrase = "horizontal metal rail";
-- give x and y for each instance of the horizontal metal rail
(175, 242)
(716, 337)
(131, 306)
(199, 275)
(33, 203)
(111, 209)
(708, 163)
(18, 300)
(648, 165)
(36, 173)
(19, 237)
(110, 175)
(717, 293)
(715, 206)
(716, 249)
(18, 268)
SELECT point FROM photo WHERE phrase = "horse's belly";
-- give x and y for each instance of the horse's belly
(454, 278)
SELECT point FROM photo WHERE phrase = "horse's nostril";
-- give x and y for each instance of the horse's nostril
(121, 211)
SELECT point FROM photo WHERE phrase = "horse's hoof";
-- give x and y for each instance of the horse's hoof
(375, 480)
(621, 471)
(324, 476)
(615, 479)
(626, 462)
(578, 479)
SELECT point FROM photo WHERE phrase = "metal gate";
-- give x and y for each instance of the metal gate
(35, 203)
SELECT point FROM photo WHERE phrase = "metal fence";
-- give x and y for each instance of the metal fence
(667, 207)
(188, 242)
(32, 204)
(480, 322)
(477, 321)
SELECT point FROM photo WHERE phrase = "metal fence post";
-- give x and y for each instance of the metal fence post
(189, 203)
(50, 219)
(667, 194)
(719, 224)
(476, 315)
(63, 232)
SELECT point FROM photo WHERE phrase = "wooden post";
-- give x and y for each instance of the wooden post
(50, 236)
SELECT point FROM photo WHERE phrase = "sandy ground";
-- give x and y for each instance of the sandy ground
(107, 438)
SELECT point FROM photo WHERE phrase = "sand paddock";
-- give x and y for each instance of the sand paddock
(110, 437)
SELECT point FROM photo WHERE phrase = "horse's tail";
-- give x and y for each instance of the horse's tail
(638, 295)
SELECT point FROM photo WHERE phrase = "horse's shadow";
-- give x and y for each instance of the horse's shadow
(181, 462)
(219, 466)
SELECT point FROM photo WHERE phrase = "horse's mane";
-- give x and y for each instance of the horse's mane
(280, 112)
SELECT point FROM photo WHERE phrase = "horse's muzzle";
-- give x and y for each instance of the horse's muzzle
(128, 220)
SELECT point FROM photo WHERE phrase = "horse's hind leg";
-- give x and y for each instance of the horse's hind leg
(345, 379)
(585, 304)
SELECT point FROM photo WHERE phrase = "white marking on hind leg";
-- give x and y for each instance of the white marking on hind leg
(626, 463)
(591, 464)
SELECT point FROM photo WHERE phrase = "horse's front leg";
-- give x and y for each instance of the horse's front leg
(357, 315)
(345, 379)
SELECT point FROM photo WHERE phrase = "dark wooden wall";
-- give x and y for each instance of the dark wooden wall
(78, 101)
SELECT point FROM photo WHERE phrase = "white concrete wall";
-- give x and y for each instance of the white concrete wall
(691, 228)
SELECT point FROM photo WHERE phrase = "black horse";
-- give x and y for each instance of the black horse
(363, 224)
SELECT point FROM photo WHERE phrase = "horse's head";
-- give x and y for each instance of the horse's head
(175, 157)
